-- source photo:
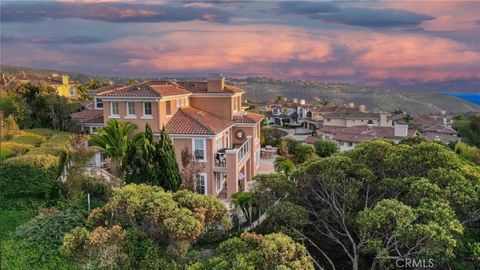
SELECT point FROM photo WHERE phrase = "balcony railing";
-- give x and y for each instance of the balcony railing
(243, 150)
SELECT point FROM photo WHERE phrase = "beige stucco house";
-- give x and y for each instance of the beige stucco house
(204, 116)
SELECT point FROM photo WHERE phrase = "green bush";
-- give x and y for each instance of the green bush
(17, 148)
(29, 138)
(48, 227)
(29, 176)
(57, 150)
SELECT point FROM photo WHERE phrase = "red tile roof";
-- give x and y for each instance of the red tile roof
(364, 133)
(248, 118)
(148, 89)
(312, 139)
(88, 116)
(189, 120)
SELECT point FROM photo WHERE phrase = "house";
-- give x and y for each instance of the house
(62, 83)
(205, 117)
(344, 118)
(348, 137)
(437, 127)
(286, 113)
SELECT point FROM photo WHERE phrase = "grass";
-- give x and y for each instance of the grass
(5, 152)
(28, 138)
(10, 220)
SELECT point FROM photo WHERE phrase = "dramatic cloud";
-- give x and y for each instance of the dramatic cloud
(373, 17)
(50, 40)
(306, 7)
(109, 12)
(379, 43)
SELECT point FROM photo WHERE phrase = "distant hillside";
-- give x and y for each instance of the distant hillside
(262, 89)
(414, 102)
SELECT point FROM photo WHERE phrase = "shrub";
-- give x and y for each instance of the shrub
(59, 151)
(325, 148)
(29, 138)
(29, 176)
(10, 220)
(48, 227)
(17, 148)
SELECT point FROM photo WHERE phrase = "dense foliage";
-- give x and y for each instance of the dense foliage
(38, 106)
(253, 251)
(378, 202)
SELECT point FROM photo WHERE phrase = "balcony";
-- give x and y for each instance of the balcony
(240, 150)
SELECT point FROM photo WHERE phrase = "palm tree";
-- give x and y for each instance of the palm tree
(284, 165)
(113, 139)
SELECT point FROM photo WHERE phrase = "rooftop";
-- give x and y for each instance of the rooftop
(88, 116)
(189, 120)
(147, 89)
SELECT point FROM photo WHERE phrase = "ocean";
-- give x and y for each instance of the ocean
(472, 97)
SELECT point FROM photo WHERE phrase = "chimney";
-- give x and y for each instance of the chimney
(215, 83)
(401, 130)
(302, 101)
(383, 119)
(362, 108)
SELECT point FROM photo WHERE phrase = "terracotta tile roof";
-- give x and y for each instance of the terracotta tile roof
(201, 87)
(147, 89)
(248, 118)
(189, 120)
(353, 115)
(88, 116)
(364, 133)
(440, 128)
(93, 92)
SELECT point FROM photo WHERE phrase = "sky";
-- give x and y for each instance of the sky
(401, 44)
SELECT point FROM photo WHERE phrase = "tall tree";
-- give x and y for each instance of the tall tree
(284, 165)
(168, 174)
(140, 165)
(113, 139)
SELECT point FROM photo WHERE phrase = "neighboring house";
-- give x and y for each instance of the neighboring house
(437, 127)
(204, 116)
(348, 137)
(313, 116)
(286, 113)
(62, 83)
(357, 118)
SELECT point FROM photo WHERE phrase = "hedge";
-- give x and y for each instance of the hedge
(29, 138)
(17, 148)
(55, 150)
(30, 176)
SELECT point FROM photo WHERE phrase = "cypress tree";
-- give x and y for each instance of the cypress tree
(168, 173)
(140, 163)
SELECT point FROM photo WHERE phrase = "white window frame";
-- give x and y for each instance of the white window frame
(129, 114)
(72, 91)
(222, 180)
(168, 108)
(177, 102)
(113, 115)
(219, 143)
(97, 100)
(204, 150)
(235, 104)
(147, 116)
(205, 183)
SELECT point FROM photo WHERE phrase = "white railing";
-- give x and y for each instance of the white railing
(243, 150)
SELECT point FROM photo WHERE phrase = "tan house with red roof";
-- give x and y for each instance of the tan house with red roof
(203, 116)
(348, 137)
